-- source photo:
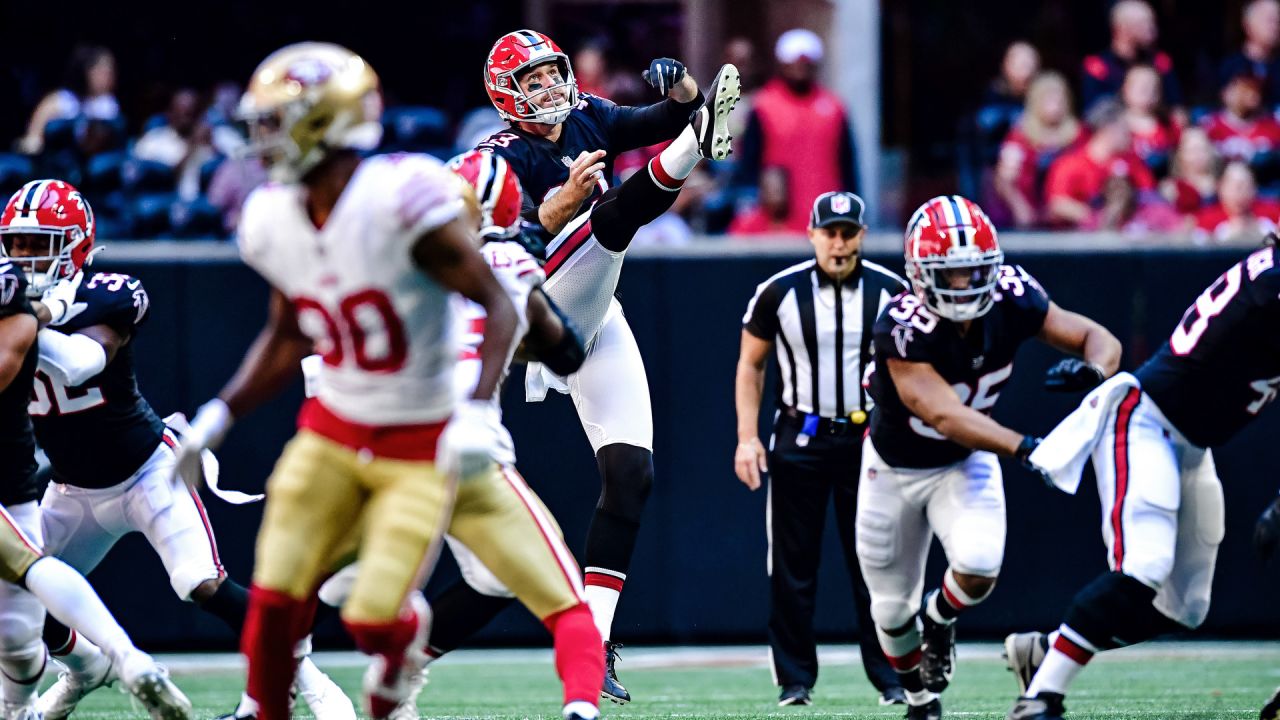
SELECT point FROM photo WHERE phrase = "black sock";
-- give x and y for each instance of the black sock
(230, 603)
(638, 201)
(458, 613)
(57, 637)
(610, 541)
(1115, 610)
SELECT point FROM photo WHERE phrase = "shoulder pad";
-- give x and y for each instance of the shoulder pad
(13, 286)
(113, 299)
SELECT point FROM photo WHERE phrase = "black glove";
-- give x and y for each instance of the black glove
(1266, 532)
(663, 74)
(1023, 455)
(1073, 375)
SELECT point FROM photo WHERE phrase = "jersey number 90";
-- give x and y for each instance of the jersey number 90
(366, 331)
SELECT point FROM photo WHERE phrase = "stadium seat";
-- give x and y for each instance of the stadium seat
(60, 135)
(417, 129)
(102, 173)
(150, 214)
(15, 170)
(207, 170)
(147, 176)
(196, 219)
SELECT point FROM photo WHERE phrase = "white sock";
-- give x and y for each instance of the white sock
(69, 598)
(1067, 656)
(248, 707)
(583, 708)
(80, 655)
(603, 601)
(920, 697)
(22, 673)
(679, 158)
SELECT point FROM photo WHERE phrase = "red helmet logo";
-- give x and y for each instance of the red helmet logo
(55, 212)
(497, 190)
(512, 55)
(953, 257)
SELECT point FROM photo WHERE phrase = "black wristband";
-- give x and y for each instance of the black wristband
(1025, 448)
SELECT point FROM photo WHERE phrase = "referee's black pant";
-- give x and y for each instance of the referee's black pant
(801, 479)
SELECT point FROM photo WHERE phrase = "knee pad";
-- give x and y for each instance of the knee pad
(1116, 610)
(188, 576)
(981, 558)
(21, 626)
(876, 539)
(626, 474)
(894, 614)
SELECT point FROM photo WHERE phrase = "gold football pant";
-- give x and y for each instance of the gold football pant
(18, 552)
(325, 502)
(499, 519)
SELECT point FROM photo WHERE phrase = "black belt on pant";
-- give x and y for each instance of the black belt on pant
(812, 424)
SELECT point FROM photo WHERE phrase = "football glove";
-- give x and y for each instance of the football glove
(206, 431)
(664, 74)
(61, 300)
(1266, 532)
(1073, 375)
(468, 442)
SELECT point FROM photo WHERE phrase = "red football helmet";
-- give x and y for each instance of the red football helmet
(49, 211)
(497, 191)
(953, 257)
(515, 53)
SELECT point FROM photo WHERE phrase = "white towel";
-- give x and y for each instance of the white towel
(209, 467)
(1063, 454)
(538, 379)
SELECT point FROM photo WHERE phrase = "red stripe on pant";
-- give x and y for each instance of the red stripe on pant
(567, 248)
(605, 581)
(170, 440)
(1121, 455)
(1078, 655)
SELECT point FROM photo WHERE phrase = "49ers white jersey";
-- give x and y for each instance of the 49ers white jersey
(385, 329)
(518, 273)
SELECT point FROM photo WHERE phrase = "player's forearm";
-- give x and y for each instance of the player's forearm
(748, 389)
(272, 362)
(1101, 348)
(499, 331)
(972, 429)
(557, 211)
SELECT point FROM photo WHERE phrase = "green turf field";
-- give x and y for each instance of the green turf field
(1172, 680)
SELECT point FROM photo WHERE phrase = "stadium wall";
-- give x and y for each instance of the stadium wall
(699, 570)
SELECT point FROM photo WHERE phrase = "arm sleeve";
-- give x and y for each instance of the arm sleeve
(629, 127)
(761, 318)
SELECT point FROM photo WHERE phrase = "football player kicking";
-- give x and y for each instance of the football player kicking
(85, 386)
(562, 144)
(943, 352)
(361, 256)
(32, 580)
(498, 521)
(1148, 435)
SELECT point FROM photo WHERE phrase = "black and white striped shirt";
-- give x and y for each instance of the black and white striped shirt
(818, 336)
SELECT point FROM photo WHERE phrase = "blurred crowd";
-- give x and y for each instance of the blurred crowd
(1131, 155)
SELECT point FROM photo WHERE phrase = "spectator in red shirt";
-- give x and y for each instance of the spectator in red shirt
(1076, 180)
(1047, 127)
(1239, 215)
(1128, 211)
(799, 125)
(1261, 50)
(773, 205)
(1242, 128)
(1153, 136)
(1133, 42)
(1193, 177)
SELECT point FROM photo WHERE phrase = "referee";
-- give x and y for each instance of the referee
(814, 314)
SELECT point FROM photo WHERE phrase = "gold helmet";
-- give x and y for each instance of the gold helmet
(307, 100)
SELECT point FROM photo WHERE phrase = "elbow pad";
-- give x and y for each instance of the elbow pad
(70, 359)
(565, 357)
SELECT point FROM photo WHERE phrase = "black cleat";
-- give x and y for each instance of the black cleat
(794, 695)
(613, 689)
(1023, 655)
(938, 654)
(1272, 709)
(710, 122)
(893, 696)
(931, 710)
(1045, 706)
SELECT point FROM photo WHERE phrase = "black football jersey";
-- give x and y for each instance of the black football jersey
(99, 433)
(17, 445)
(976, 364)
(596, 124)
(1221, 366)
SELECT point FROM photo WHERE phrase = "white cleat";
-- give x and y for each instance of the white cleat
(60, 700)
(1023, 655)
(384, 691)
(21, 711)
(408, 708)
(711, 121)
(150, 684)
(321, 694)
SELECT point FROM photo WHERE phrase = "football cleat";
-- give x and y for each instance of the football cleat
(1272, 709)
(893, 696)
(710, 122)
(580, 710)
(321, 694)
(612, 689)
(795, 695)
(938, 654)
(1045, 706)
(150, 684)
(21, 711)
(1023, 654)
(386, 689)
(931, 710)
(60, 700)
(408, 709)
